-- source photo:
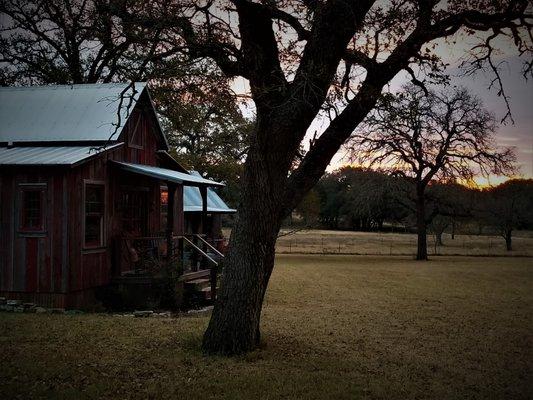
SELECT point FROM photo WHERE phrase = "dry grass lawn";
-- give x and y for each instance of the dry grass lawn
(334, 327)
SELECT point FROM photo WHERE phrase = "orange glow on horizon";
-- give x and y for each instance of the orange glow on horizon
(479, 182)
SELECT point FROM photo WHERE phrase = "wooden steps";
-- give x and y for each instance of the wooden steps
(198, 287)
(189, 276)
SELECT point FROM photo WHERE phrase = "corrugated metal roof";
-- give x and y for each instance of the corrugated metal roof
(52, 155)
(65, 113)
(192, 201)
(166, 174)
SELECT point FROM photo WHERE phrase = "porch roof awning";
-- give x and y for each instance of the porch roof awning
(166, 175)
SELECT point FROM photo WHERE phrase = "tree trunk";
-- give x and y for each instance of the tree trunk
(508, 240)
(421, 225)
(453, 229)
(234, 324)
(438, 239)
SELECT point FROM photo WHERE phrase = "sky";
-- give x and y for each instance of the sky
(518, 135)
(519, 90)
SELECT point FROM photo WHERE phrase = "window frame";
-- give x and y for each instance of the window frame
(163, 213)
(101, 243)
(41, 188)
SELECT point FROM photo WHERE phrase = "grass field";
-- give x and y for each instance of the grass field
(334, 327)
(376, 243)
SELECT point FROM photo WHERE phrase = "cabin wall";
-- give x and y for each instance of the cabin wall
(213, 228)
(89, 267)
(52, 267)
(34, 261)
(140, 137)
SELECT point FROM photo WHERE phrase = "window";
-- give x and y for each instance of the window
(164, 206)
(32, 207)
(135, 211)
(94, 214)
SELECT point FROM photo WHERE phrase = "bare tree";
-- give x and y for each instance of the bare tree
(428, 136)
(61, 41)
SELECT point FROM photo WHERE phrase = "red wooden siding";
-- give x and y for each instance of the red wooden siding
(30, 260)
(51, 266)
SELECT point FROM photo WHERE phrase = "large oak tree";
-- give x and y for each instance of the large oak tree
(299, 58)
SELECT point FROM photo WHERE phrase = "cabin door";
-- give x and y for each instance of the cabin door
(135, 212)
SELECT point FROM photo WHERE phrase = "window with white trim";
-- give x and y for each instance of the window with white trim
(94, 208)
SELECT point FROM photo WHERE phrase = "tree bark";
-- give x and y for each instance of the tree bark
(234, 325)
(421, 225)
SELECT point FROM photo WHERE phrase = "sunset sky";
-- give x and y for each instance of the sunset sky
(519, 90)
(518, 135)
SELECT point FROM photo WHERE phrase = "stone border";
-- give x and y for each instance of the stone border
(19, 307)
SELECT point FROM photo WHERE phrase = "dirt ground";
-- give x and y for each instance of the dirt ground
(334, 327)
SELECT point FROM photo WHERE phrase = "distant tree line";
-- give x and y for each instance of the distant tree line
(363, 199)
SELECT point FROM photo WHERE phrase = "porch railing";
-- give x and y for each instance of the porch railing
(192, 252)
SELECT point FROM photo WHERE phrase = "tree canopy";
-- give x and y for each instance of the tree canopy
(431, 136)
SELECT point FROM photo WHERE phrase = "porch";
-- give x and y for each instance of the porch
(143, 258)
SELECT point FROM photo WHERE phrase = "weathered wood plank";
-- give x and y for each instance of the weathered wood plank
(32, 263)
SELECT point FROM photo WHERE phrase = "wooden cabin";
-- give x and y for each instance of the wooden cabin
(89, 192)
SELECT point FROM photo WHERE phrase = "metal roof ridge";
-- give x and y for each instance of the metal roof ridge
(71, 86)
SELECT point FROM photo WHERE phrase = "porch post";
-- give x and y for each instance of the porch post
(213, 270)
(170, 218)
(203, 192)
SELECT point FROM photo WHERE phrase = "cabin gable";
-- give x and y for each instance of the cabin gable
(142, 136)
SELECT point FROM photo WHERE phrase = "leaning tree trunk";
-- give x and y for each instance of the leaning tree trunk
(421, 225)
(234, 324)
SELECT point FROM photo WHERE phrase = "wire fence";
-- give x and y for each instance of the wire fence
(364, 243)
